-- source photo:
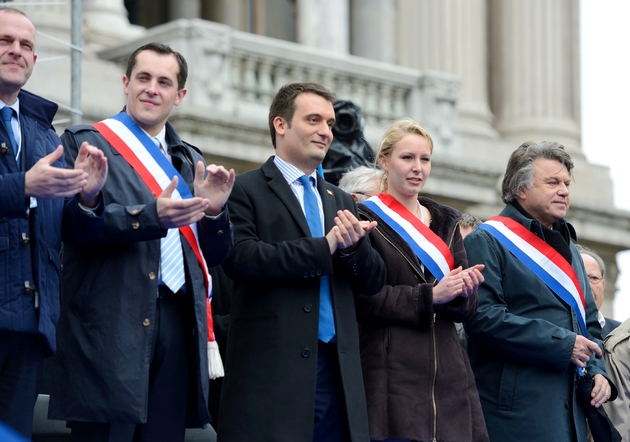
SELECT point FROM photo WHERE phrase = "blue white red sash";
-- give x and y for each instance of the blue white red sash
(431, 250)
(543, 260)
(137, 148)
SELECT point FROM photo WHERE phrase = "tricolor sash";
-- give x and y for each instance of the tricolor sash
(543, 260)
(430, 249)
(137, 148)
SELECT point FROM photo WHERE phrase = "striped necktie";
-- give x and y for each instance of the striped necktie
(171, 256)
(326, 330)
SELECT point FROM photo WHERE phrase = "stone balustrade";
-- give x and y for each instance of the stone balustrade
(238, 73)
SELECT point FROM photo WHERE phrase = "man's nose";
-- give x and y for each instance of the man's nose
(152, 87)
(325, 130)
(564, 189)
(15, 47)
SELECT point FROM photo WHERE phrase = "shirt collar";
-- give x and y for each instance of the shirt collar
(601, 319)
(161, 136)
(290, 172)
(15, 106)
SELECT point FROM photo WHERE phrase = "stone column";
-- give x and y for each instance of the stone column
(535, 70)
(451, 36)
(373, 30)
(184, 9)
(105, 23)
(53, 20)
(324, 24)
(228, 12)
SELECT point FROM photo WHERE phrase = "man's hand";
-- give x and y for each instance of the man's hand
(43, 180)
(92, 161)
(347, 232)
(583, 349)
(215, 188)
(176, 213)
(601, 391)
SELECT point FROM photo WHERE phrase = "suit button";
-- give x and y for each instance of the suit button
(312, 273)
(146, 322)
(306, 353)
(219, 232)
(308, 308)
(135, 211)
(318, 272)
(306, 274)
(135, 225)
(152, 276)
(567, 405)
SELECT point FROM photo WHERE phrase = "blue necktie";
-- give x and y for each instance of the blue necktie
(7, 115)
(326, 319)
(171, 256)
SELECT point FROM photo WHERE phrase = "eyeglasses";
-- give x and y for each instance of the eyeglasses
(595, 279)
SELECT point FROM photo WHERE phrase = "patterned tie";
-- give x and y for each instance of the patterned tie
(171, 256)
(7, 115)
(326, 319)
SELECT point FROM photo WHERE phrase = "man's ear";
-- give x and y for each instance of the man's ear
(125, 82)
(180, 96)
(280, 125)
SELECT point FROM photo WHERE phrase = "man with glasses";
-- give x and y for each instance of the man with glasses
(596, 269)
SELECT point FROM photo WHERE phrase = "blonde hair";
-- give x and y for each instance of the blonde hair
(393, 134)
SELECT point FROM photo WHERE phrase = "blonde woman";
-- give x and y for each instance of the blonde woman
(418, 381)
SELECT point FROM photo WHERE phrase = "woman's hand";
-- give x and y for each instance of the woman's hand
(459, 282)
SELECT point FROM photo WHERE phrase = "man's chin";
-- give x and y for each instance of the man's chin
(13, 80)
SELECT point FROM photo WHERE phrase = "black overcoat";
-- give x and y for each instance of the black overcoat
(101, 372)
(269, 390)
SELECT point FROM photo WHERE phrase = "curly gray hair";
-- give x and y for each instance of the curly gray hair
(519, 174)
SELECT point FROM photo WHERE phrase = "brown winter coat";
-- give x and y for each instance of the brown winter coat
(418, 380)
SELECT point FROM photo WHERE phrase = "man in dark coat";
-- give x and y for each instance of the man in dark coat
(286, 380)
(596, 272)
(133, 342)
(38, 198)
(526, 340)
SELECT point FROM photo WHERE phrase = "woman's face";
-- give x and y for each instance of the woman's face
(408, 167)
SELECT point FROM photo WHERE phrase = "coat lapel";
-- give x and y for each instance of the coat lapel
(278, 184)
(328, 203)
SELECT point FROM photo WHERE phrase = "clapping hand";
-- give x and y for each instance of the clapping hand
(215, 187)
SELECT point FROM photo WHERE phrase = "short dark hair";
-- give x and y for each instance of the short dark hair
(283, 104)
(12, 10)
(519, 174)
(161, 49)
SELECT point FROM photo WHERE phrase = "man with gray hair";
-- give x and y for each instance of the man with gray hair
(468, 223)
(361, 182)
(596, 271)
(537, 321)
